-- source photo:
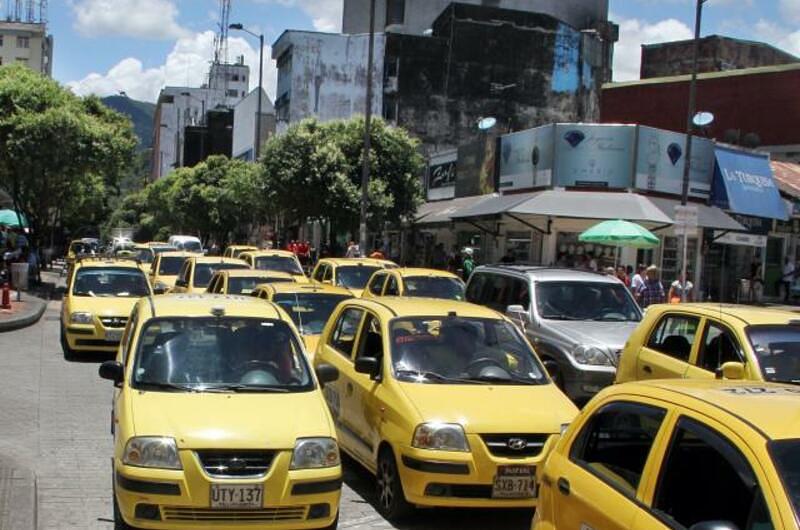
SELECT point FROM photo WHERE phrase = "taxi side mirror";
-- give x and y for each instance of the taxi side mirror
(370, 366)
(714, 525)
(731, 370)
(326, 373)
(113, 371)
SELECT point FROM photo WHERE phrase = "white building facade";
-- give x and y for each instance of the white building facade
(245, 123)
(26, 43)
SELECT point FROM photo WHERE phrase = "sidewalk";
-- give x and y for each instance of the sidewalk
(17, 498)
(22, 314)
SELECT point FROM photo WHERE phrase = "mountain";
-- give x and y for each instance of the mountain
(141, 114)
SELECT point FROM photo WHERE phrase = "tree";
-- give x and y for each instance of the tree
(61, 156)
(313, 171)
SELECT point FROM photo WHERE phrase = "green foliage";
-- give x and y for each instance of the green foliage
(61, 157)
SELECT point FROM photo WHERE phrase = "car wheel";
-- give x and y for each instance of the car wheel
(69, 353)
(555, 373)
(392, 502)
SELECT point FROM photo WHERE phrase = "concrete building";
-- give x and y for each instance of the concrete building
(324, 75)
(716, 54)
(245, 122)
(417, 16)
(26, 43)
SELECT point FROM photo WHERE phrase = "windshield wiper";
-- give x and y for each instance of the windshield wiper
(144, 385)
(560, 317)
(501, 380)
(433, 376)
(239, 387)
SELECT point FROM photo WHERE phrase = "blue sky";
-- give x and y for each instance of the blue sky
(104, 46)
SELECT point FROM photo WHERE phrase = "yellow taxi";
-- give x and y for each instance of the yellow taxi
(445, 402)
(99, 296)
(197, 271)
(218, 420)
(677, 454)
(712, 340)
(275, 260)
(309, 305)
(81, 247)
(165, 268)
(417, 283)
(233, 251)
(350, 273)
(146, 253)
(244, 281)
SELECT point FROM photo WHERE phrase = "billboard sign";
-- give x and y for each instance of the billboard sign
(526, 159)
(661, 158)
(596, 156)
(441, 181)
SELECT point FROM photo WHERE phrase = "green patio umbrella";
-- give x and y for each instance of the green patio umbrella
(619, 233)
(9, 218)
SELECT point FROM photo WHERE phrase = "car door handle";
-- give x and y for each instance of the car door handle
(563, 485)
(349, 389)
(647, 369)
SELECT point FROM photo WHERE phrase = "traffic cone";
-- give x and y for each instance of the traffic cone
(6, 300)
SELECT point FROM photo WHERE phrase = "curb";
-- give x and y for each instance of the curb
(27, 319)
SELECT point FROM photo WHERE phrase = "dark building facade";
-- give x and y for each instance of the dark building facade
(716, 54)
(214, 138)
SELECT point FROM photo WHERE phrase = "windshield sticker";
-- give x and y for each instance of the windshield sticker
(761, 390)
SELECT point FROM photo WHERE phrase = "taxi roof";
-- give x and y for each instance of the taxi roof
(254, 273)
(292, 288)
(407, 272)
(747, 315)
(402, 306)
(242, 246)
(771, 408)
(179, 254)
(273, 252)
(196, 305)
(357, 261)
(104, 262)
(215, 259)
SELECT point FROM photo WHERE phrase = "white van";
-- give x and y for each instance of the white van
(186, 243)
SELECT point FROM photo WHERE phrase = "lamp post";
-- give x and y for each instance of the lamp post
(362, 233)
(260, 37)
(687, 163)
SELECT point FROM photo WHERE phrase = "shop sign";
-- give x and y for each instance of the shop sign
(526, 159)
(754, 225)
(441, 179)
(597, 156)
(740, 238)
(661, 160)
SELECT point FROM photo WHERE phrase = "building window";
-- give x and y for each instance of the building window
(1, 40)
(234, 77)
(23, 42)
(232, 93)
(395, 12)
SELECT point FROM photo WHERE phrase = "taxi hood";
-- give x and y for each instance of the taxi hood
(484, 409)
(102, 306)
(229, 420)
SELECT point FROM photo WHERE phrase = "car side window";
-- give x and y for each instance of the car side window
(318, 271)
(392, 289)
(475, 287)
(327, 274)
(344, 333)
(215, 283)
(370, 343)
(723, 486)
(616, 441)
(127, 336)
(497, 292)
(185, 272)
(674, 336)
(719, 347)
(376, 283)
(520, 294)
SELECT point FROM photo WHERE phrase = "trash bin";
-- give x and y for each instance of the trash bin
(19, 276)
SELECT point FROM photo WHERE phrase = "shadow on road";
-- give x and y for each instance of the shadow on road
(89, 357)
(363, 483)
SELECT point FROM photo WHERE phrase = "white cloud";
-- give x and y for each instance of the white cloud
(186, 65)
(779, 36)
(146, 19)
(326, 15)
(633, 33)
(790, 9)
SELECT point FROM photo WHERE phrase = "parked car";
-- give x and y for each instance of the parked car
(244, 281)
(712, 340)
(418, 283)
(577, 321)
(350, 273)
(165, 269)
(187, 243)
(677, 454)
(196, 272)
(275, 260)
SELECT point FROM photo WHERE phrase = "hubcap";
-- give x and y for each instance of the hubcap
(385, 484)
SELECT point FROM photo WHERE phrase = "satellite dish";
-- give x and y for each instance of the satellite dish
(485, 124)
(703, 119)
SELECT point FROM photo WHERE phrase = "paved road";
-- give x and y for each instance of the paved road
(54, 425)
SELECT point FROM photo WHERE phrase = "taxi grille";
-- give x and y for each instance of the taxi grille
(515, 445)
(236, 463)
(114, 322)
(264, 515)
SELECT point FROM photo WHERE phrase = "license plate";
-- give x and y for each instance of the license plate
(515, 482)
(113, 335)
(237, 496)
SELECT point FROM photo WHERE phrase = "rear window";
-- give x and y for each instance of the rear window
(279, 264)
(204, 271)
(434, 287)
(170, 265)
(249, 284)
(778, 352)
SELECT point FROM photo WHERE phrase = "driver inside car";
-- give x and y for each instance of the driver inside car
(460, 349)
(263, 356)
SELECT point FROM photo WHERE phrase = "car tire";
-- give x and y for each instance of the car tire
(392, 502)
(69, 353)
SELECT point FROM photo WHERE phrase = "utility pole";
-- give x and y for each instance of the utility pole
(362, 236)
(260, 37)
(687, 163)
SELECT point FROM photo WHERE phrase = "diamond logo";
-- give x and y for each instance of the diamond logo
(574, 138)
(674, 152)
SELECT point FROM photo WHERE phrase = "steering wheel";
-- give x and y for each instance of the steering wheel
(474, 367)
(269, 366)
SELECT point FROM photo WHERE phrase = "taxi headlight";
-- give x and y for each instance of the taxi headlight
(440, 437)
(592, 356)
(152, 451)
(80, 318)
(310, 453)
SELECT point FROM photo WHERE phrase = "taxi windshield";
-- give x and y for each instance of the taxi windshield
(278, 263)
(110, 282)
(786, 456)
(204, 271)
(778, 350)
(455, 350)
(309, 311)
(145, 255)
(599, 301)
(434, 287)
(226, 354)
(170, 265)
(248, 285)
(354, 276)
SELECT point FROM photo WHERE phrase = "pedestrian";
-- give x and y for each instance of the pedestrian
(623, 276)
(592, 262)
(509, 257)
(652, 291)
(787, 279)
(454, 262)
(637, 281)
(352, 250)
(610, 271)
(677, 289)
(377, 253)
(468, 263)
(756, 280)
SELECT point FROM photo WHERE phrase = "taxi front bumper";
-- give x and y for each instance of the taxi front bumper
(93, 337)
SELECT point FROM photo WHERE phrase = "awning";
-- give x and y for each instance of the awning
(743, 183)
(436, 212)
(495, 204)
(787, 177)
(707, 216)
(592, 205)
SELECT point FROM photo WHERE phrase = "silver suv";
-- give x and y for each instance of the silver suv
(577, 321)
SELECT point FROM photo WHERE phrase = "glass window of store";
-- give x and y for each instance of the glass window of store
(572, 253)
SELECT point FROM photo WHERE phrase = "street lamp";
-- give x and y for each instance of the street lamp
(260, 37)
(362, 233)
(687, 163)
